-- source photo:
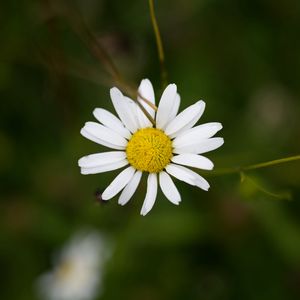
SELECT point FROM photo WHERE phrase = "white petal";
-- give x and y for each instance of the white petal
(175, 108)
(150, 195)
(109, 120)
(197, 133)
(133, 109)
(118, 183)
(168, 188)
(146, 91)
(193, 160)
(130, 188)
(103, 135)
(123, 107)
(96, 140)
(200, 181)
(193, 112)
(200, 147)
(104, 168)
(143, 121)
(180, 174)
(186, 127)
(90, 134)
(99, 159)
(188, 176)
(166, 103)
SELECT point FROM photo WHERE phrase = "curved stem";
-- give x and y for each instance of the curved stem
(272, 163)
(266, 164)
(282, 195)
(160, 49)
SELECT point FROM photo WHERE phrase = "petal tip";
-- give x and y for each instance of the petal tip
(201, 103)
(83, 171)
(143, 213)
(206, 188)
(96, 111)
(211, 165)
(145, 80)
(172, 86)
(104, 197)
(82, 131)
(115, 92)
(79, 162)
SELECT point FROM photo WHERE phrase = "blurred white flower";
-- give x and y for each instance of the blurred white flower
(78, 269)
(160, 151)
(271, 107)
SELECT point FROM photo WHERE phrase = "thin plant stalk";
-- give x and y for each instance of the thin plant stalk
(98, 51)
(159, 44)
(262, 165)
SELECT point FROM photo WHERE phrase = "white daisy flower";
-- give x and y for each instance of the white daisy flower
(159, 151)
(78, 269)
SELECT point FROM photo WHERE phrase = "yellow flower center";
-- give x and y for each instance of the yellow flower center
(149, 150)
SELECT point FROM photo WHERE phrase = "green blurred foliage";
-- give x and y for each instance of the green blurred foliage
(233, 242)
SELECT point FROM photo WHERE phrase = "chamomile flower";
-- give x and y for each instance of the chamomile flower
(78, 269)
(160, 151)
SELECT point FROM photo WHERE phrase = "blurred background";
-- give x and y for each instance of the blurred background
(237, 241)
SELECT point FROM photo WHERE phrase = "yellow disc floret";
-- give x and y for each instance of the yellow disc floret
(149, 150)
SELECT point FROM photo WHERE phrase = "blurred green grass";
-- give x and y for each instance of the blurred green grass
(242, 58)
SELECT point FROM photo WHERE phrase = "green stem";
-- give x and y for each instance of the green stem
(282, 195)
(160, 49)
(266, 164)
(272, 163)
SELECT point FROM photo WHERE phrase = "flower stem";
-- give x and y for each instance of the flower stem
(285, 195)
(160, 49)
(266, 164)
(149, 103)
(272, 163)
